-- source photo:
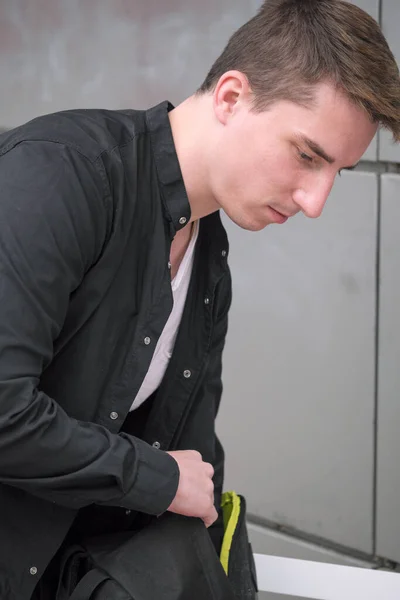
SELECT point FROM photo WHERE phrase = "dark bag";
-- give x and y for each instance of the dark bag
(172, 558)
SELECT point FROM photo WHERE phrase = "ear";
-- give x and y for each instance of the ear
(231, 93)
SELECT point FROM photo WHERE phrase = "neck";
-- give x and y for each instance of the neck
(190, 122)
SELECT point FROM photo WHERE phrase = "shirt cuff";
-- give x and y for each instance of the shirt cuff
(156, 481)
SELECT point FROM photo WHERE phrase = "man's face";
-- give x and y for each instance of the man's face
(265, 167)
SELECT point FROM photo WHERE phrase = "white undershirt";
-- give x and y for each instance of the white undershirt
(165, 345)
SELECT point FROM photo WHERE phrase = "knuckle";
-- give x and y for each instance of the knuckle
(195, 454)
(210, 470)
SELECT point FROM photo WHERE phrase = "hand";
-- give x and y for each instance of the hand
(195, 494)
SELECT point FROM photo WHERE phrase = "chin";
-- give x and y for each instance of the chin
(249, 220)
(249, 224)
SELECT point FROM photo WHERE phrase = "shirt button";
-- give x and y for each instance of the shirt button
(157, 445)
(169, 265)
(206, 300)
(182, 220)
(187, 374)
(114, 415)
(223, 253)
(147, 341)
(128, 512)
(33, 570)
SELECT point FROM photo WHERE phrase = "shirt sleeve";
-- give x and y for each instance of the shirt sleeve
(53, 224)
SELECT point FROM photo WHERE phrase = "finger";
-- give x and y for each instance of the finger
(207, 521)
(209, 470)
(210, 518)
(210, 488)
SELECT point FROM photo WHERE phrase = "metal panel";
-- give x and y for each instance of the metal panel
(390, 25)
(266, 541)
(388, 501)
(59, 54)
(298, 408)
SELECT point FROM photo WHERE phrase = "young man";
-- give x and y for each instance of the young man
(114, 283)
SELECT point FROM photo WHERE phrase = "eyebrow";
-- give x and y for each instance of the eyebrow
(316, 148)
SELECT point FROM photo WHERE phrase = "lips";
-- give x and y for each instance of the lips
(277, 216)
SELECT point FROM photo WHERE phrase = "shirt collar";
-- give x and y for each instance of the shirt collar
(169, 173)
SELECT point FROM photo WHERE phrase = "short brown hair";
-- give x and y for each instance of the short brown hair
(291, 45)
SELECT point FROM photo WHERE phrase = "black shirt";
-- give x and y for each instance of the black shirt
(90, 201)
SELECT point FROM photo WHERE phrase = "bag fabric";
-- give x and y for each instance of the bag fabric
(172, 558)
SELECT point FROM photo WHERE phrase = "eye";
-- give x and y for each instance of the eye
(305, 157)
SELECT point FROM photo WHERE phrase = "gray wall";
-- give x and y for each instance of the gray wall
(58, 54)
(311, 404)
(299, 368)
(310, 409)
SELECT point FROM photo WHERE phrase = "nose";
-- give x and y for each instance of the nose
(311, 201)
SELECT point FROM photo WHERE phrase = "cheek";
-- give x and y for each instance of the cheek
(273, 173)
(233, 168)
(247, 168)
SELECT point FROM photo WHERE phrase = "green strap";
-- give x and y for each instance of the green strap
(230, 504)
